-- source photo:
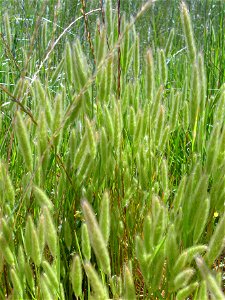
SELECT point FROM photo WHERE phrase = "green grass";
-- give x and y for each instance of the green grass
(112, 188)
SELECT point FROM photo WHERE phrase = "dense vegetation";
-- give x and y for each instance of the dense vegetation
(112, 171)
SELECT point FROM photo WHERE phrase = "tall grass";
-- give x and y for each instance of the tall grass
(107, 195)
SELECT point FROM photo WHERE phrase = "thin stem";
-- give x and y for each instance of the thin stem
(83, 9)
(14, 99)
(119, 51)
(102, 11)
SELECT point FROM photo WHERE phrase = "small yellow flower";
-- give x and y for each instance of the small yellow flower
(216, 214)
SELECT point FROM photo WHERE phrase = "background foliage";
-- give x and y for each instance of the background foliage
(112, 150)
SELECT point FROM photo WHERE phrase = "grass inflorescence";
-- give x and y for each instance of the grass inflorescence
(112, 153)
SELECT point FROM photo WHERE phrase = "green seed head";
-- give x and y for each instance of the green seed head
(96, 238)
(76, 276)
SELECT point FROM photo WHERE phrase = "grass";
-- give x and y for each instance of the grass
(112, 153)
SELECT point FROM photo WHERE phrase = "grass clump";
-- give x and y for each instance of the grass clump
(102, 120)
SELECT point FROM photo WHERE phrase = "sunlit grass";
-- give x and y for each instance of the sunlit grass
(111, 189)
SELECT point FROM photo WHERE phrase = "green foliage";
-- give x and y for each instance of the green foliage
(149, 160)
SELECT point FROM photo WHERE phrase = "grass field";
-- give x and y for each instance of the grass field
(112, 144)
